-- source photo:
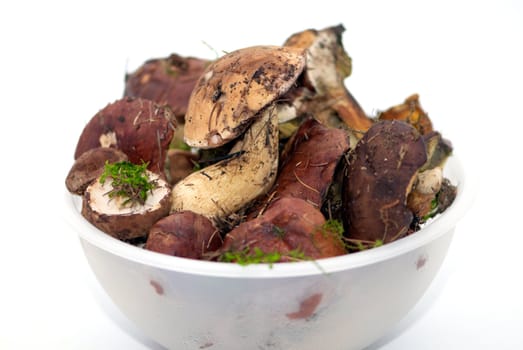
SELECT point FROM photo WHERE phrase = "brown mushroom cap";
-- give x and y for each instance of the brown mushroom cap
(382, 169)
(234, 88)
(140, 128)
(308, 161)
(307, 164)
(290, 224)
(185, 234)
(89, 166)
(167, 81)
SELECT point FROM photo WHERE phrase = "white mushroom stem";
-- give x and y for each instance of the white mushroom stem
(429, 181)
(288, 112)
(427, 184)
(322, 59)
(225, 187)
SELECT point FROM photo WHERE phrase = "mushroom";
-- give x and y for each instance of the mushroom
(425, 189)
(234, 88)
(180, 164)
(307, 164)
(423, 199)
(328, 64)
(225, 187)
(185, 234)
(438, 150)
(308, 161)
(166, 81)
(140, 128)
(126, 200)
(89, 166)
(381, 172)
(409, 111)
(237, 95)
(446, 196)
(291, 229)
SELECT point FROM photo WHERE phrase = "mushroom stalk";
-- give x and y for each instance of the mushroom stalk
(225, 187)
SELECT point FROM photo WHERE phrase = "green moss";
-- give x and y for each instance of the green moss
(129, 181)
(377, 243)
(359, 245)
(255, 255)
(333, 227)
(180, 144)
(433, 209)
(297, 255)
(249, 256)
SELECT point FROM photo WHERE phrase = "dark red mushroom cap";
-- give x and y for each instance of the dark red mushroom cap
(381, 171)
(167, 81)
(140, 128)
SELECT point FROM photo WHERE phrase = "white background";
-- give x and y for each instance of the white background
(62, 62)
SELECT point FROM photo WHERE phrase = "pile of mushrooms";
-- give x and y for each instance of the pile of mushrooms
(261, 155)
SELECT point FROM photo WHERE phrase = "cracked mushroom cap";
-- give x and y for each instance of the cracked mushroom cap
(234, 88)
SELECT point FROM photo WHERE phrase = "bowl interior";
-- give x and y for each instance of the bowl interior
(454, 171)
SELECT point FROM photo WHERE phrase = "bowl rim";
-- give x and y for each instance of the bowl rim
(432, 230)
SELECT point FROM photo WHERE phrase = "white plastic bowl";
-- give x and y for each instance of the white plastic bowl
(346, 302)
